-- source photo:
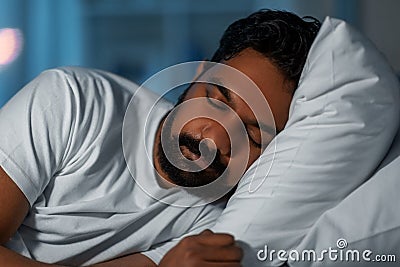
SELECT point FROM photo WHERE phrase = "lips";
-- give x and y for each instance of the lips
(190, 155)
(190, 149)
(201, 162)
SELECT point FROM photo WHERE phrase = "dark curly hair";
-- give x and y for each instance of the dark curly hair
(281, 36)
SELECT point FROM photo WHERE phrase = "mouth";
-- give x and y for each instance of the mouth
(190, 155)
(197, 159)
(190, 149)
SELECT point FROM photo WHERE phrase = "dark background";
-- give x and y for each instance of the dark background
(137, 38)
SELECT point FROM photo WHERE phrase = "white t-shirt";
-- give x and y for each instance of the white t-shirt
(61, 143)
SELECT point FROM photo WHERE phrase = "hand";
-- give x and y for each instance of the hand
(204, 250)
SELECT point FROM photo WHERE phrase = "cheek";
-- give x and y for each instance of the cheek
(192, 127)
(181, 122)
(253, 156)
(250, 155)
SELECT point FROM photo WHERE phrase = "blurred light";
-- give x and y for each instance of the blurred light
(10, 45)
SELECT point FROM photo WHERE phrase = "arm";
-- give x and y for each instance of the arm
(206, 250)
(134, 260)
(34, 129)
(13, 209)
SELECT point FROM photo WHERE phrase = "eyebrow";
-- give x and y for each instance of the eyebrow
(222, 89)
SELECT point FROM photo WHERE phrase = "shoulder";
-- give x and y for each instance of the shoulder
(91, 79)
(85, 88)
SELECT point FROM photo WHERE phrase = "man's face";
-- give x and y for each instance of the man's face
(210, 139)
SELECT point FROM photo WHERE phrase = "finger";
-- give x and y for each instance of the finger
(207, 232)
(223, 254)
(215, 239)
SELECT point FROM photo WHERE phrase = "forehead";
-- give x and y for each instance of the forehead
(252, 66)
(260, 70)
(238, 90)
(269, 80)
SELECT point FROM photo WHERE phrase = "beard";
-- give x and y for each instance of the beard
(180, 173)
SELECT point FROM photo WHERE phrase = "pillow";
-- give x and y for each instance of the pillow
(368, 219)
(342, 120)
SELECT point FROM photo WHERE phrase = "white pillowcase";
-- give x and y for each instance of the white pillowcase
(368, 219)
(343, 118)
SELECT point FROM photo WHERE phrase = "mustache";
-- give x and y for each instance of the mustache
(175, 172)
(191, 143)
(194, 145)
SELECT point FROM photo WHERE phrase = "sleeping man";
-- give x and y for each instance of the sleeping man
(76, 183)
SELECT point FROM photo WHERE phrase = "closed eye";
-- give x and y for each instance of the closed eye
(216, 103)
(250, 133)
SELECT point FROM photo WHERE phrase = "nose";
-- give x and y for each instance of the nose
(216, 132)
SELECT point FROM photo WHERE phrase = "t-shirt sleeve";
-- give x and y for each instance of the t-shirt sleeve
(205, 221)
(34, 129)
